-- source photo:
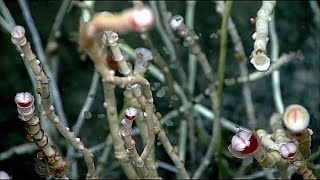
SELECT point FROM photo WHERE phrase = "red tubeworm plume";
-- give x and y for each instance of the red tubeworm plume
(112, 64)
(244, 144)
(130, 114)
(288, 150)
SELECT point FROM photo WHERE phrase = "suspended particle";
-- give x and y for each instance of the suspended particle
(101, 116)
(174, 98)
(214, 36)
(87, 115)
(161, 93)
(156, 84)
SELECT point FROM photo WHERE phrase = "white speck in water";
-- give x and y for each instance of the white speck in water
(214, 36)
(87, 115)
(152, 88)
(165, 50)
(157, 84)
(161, 93)
(101, 116)
(158, 143)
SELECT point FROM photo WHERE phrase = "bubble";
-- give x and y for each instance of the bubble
(87, 115)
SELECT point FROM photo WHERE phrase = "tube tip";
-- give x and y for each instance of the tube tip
(296, 118)
(261, 62)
